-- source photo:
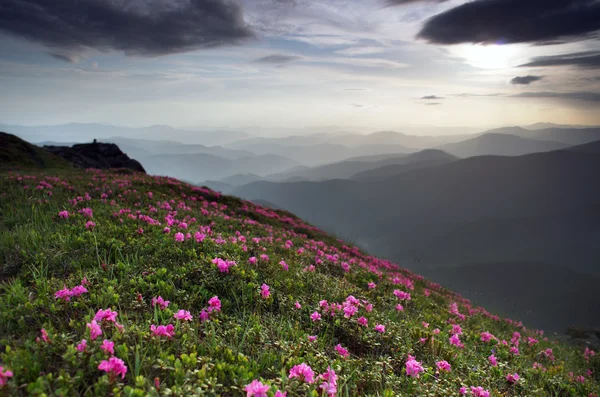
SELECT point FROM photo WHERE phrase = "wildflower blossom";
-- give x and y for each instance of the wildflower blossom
(486, 336)
(256, 389)
(252, 260)
(380, 328)
(302, 372)
(279, 393)
(214, 304)
(78, 290)
(399, 307)
(372, 285)
(163, 330)
(315, 316)
(264, 291)
(81, 346)
(45, 337)
(179, 237)
(183, 315)
(284, 265)
(95, 330)
(342, 351)
(443, 366)
(64, 294)
(493, 361)
(312, 338)
(114, 366)
(329, 386)
(362, 321)
(63, 214)
(108, 346)
(455, 340)
(106, 315)
(298, 305)
(402, 295)
(4, 375)
(413, 367)
(90, 225)
(479, 392)
(513, 378)
(163, 304)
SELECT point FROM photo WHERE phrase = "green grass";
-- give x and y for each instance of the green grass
(251, 338)
(16, 153)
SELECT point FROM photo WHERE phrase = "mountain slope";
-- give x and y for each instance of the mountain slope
(499, 144)
(568, 136)
(542, 207)
(232, 297)
(423, 159)
(15, 152)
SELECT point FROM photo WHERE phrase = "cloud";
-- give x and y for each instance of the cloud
(431, 97)
(70, 28)
(526, 80)
(357, 105)
(277, 59)
(514, 21)
(404, 2)
(433, 103)
(577, 95)
(586, 59)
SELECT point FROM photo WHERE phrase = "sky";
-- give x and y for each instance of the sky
(366, 64)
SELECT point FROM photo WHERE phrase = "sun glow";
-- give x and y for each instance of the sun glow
(494, 56)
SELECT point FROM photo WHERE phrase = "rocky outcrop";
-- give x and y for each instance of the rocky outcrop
(96, 155)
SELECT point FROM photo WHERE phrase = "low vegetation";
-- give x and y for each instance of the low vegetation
(125, 284)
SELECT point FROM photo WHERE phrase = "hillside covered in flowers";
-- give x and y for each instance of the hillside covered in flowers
(117, 283)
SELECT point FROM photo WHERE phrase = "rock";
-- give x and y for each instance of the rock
(96, 155)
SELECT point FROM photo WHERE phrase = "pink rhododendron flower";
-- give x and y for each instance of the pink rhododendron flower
(486, 336)
(425, 325)
(315, 316)
(372, 285)
(436, 331)
(90, 225)
(256, 389)
(264, 257)
(204, 316)
(455, 340)
(380, 328)
(95, 330)
(64, 294)
(329, 385)
(493, 361)
(163, 330)
(312, 338)
(45, 337)
(108, 346)
(363, 321)
(214, 304)
(513, 378)
(463, 391)
(342, 351)
(443, 366)
(279, 393)
(284, 265)
(4, 375)
(163, 304)
(82, 345)
(514, 350)
(413, 367)
(402, 295)
(63, 214)
(298, 305)
(399, 307)
(264, 291)
(114, 366)
(78, 290)
(303, 372)
(252, 260)
(179, 237)
(183, 315)
(479, 392)
(106, 315)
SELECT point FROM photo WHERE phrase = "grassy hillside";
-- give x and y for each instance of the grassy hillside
(17, 153)
(132, 285)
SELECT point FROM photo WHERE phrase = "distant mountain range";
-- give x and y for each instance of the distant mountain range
(541, 207)
(500, 144)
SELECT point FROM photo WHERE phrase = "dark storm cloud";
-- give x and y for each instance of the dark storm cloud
(403, 2)
(587, 59)
(432, 97)
(277, 59)
(577, 95)
(514, 21)
(525, 80)
(137, 27)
